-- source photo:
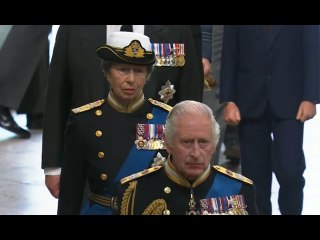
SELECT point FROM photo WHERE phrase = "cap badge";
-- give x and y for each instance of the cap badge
(134, 50)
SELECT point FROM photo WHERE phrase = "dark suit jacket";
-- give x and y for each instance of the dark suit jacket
(279, 67)
(19, 58)
(75, 77)
(188, 80)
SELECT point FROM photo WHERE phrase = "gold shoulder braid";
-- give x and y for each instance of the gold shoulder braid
(128, 194)
(139, 174)
(233, 174)
(157, 207)
(160, 104)
(88, 106)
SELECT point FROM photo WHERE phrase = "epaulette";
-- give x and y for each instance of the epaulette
(139, 174)
(232, 174)
(160, 104)
(88, 106)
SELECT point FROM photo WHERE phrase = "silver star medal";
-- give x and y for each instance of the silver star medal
(159, 160)
(166, 92)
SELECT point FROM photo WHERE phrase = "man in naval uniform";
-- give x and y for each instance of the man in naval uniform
(187, 184)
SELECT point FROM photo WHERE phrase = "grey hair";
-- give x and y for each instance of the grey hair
(193, 107)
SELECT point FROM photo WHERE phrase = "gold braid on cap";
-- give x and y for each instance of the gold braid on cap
(157, 207)
(130, 191)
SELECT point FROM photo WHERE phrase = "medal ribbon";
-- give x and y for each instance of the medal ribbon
(138, 160)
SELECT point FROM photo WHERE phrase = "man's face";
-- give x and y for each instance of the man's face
(193, 145)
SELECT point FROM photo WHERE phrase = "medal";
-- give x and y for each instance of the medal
(181, 53)
(182, 61)
(156, 48)
(149, 136)
(192, 205)
(228, 205)
(159, 160)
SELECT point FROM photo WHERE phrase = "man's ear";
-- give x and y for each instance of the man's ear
(168, 147)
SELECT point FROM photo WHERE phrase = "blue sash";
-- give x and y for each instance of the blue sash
(223, 186)
(136, 161)
(139, 160)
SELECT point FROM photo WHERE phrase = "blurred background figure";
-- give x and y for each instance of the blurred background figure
(270, 87)
(212, 38)
(24, 60)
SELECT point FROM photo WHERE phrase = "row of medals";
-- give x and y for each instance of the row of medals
(150, 144)
(149, 136)
(169, 54)
(233, 205)
(170, 61)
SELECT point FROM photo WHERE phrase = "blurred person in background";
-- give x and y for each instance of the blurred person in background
(24, 60)
(270, 85)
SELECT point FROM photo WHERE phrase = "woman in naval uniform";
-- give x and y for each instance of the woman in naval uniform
(111, 138)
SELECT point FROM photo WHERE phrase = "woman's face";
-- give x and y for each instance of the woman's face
(127, 81)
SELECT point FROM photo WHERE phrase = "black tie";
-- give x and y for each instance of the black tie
(126, 28)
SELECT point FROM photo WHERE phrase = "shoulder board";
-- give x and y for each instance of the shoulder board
(160, 104)
(88, 106)
(140, 174)
(232, 174)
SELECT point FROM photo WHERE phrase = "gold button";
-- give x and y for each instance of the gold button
(104, 177)
(100, 154)
(98, 133)
(98, 112)
(149, 116)
(166, 212)
(167, 190)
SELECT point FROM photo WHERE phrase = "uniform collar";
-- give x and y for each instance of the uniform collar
(176, 177)
(132, 107)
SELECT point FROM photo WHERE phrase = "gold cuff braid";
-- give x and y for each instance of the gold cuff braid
(157, 207)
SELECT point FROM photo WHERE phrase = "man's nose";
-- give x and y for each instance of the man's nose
(195, 150)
